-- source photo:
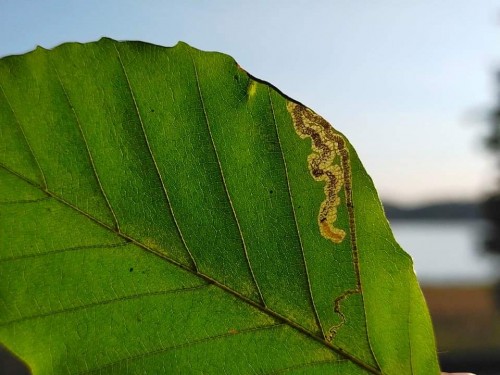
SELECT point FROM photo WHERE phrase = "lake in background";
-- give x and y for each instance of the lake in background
(447, 252)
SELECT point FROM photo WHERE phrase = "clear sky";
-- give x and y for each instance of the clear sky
(406, 81)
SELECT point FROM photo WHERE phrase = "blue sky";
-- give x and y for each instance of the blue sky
(406, 81)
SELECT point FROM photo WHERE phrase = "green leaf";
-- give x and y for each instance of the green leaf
(162, 211)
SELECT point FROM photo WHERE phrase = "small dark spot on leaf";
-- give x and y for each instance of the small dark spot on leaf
(152, 110)
(236, 77)
(270, 191)
(131, 269)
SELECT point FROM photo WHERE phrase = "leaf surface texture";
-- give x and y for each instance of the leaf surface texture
(162, 211)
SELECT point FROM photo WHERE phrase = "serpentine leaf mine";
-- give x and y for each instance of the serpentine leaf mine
(326, 146)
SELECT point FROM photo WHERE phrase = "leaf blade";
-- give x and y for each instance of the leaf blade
(253, 203)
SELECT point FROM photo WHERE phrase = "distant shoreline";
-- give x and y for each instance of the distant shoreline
(435, 211)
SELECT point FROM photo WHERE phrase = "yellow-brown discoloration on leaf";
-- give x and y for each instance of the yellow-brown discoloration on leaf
(152, 244)
(252, 88)
(329, 162)
(326, 146)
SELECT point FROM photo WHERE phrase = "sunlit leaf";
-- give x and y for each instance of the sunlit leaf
(162, 211)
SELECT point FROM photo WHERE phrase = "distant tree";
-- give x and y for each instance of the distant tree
(493, 139)
(491, 206)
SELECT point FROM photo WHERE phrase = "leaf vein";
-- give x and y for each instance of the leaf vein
(183, 345)
(154, 159)
(224, 183)
(44, 181)
(22, 201)
(316, 315)
(102, 303)
(87, 148)
(63, 250)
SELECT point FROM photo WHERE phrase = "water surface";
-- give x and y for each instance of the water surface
(447, 252)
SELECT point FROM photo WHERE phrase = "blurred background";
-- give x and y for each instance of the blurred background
(412, 84)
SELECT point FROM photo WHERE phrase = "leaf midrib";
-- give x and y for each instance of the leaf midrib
(199, 274)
